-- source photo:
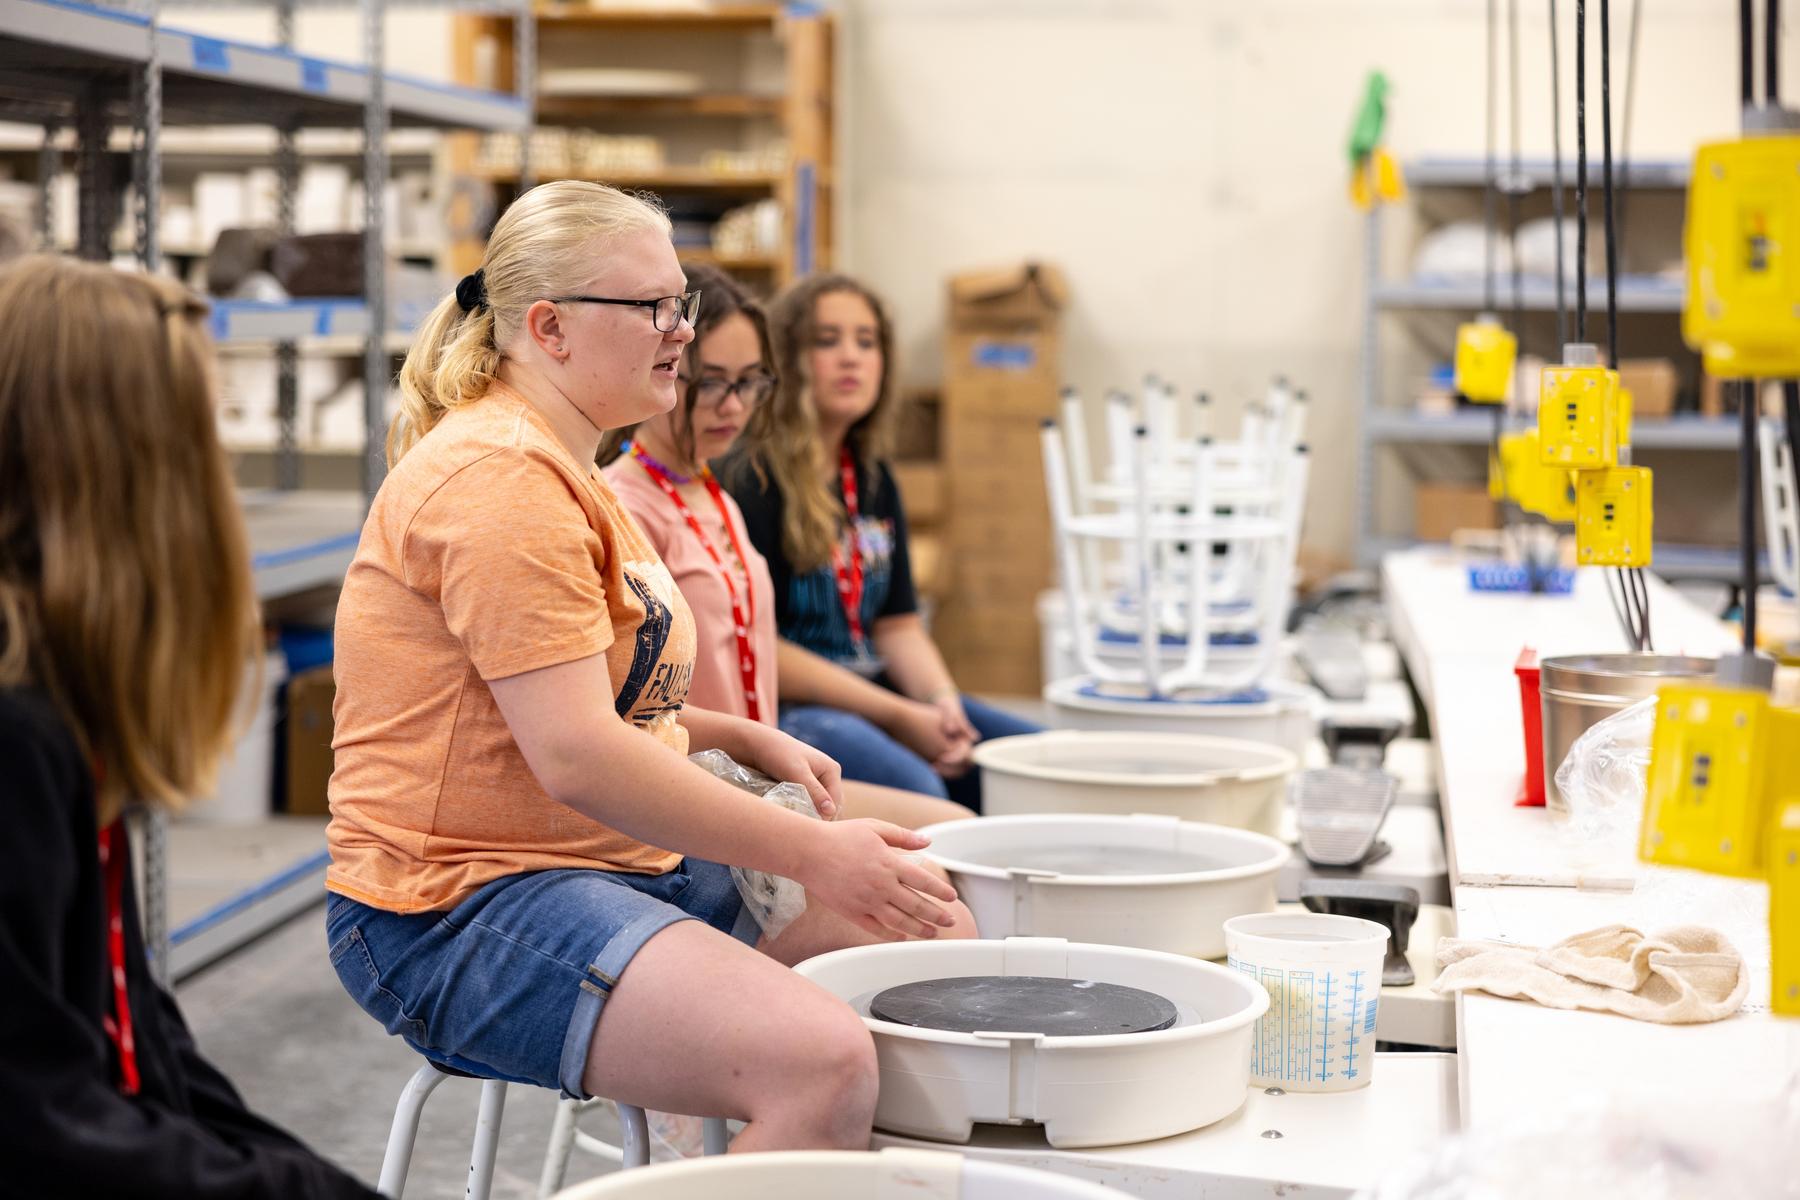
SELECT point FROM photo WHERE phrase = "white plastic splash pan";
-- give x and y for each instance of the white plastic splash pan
(836, 1174)
(1287, 718)
(1084, 1091)
(1217, 780)
(1153, 882)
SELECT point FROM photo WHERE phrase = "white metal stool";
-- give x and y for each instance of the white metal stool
(405, 1131)
(566, 1136)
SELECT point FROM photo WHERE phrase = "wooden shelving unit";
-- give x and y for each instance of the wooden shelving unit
(763, 75)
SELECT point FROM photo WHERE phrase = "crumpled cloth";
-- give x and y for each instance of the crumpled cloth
(1679, 976)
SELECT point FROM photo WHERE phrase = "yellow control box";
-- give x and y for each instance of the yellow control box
(1742, 310)
(1706, 799)
(1485, 353)
(1783, 855)
(1522, 477)
(1578, 417)
(1613, 517)
(1624, 405)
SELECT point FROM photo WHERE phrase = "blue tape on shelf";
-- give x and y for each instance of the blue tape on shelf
(315, 76)
(1126, 637)
(1004, 356)
(1511, 577)
(322, 320)
(798, 10)
(1250, 695)
(219, 323)
(210, 54)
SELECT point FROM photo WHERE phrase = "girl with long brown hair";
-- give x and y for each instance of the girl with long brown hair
(126, 622)
(528, 877)
(860, 677)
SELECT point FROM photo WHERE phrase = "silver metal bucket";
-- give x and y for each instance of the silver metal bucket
(1581, 690)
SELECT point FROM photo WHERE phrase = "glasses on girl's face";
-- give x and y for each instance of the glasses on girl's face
(751, 389)
(666, 311)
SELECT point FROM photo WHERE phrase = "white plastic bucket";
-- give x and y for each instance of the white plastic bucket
(1154, 882)
(833, 1174)
(1220, 781)
(1288, 718)
(1323, 976)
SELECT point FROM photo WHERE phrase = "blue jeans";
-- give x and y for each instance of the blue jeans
(868, 754)
(510, 983)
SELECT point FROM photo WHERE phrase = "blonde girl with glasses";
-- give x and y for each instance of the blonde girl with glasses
(127, 620)
(527, 876)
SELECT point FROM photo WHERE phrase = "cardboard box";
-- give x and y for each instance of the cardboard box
(1026, 294)
(309, 729)
(1440, 509)
(922, 489)
(1011, 373)
(1653, 383)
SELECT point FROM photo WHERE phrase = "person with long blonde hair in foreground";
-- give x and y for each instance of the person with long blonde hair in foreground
(528, 877)
(126, 622)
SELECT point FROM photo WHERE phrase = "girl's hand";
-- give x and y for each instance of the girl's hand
(959, 734)
(857, 870)
(790, 760)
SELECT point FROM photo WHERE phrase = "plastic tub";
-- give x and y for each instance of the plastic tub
(1323, 975)
(834, 1174)
(1581, 690)
(1216, 780)
(1286, 717)
(1084, 1091)
(1153, 882)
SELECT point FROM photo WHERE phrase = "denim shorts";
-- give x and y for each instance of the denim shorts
(510, 983)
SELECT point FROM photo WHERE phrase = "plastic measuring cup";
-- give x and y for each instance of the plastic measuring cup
(1323, 976)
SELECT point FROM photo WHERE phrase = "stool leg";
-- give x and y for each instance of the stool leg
(405, 1130)
(487, 1139)
(562, 1141)
(634, 1131)
(717, 1135)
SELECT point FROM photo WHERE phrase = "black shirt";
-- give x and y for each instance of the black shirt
(70, 1130)
(808, 609)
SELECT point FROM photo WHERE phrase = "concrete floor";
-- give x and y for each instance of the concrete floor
(275, 1019)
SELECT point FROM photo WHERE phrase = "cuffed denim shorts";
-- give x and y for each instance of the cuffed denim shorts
(510, 983)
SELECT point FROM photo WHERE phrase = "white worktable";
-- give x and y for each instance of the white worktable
(1517, 876)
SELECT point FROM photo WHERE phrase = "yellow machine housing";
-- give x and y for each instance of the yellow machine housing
(1783, 855)
(1521, 476)
(1613, 517)
(1742, 310)
(1485, 354)
(1706, 795)
(1578, 417)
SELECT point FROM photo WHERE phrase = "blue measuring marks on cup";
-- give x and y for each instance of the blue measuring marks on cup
(1319, 1025)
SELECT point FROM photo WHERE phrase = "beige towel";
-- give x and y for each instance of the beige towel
(1679, 976)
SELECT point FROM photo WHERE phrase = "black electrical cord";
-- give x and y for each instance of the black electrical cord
(1631, 65)
(1489, 185)
(1615, 592)
(1772, 52)
(1646, 642)
(1516, 180)
(1746, 55)
(1581, 169)
(1747, 506)
(1556, 182)
(1606, 175)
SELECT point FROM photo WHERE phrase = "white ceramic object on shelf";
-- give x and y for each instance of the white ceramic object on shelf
(835, 1174)
(1287, 718)
(1323, 975)
(1084, 1091)
(1153, 882)
(1216, 780)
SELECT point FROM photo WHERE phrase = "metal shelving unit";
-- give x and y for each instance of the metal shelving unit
(98, 69)
(1385, 423)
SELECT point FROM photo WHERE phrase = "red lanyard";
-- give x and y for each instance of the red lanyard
(743, 617)
(850, 576)
(112, 868)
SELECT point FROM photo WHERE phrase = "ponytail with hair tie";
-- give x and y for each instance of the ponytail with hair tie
(471, 291)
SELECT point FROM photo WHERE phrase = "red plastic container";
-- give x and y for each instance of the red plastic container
(1531, 708)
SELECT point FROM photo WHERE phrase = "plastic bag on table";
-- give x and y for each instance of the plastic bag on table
(1603, 777)
(773, 900)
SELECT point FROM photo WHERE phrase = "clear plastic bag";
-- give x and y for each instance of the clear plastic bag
(1603, 777)
(773, 900)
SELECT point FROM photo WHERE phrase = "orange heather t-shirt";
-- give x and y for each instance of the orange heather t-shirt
(488, 552)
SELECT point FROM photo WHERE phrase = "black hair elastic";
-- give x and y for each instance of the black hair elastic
(471, 291)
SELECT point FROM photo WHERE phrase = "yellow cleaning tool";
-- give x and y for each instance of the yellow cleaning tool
(1742, 310)
(1485, 353)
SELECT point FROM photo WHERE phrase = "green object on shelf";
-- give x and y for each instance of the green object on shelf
(1371, 119)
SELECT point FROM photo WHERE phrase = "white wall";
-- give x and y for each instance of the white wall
(1184, 161)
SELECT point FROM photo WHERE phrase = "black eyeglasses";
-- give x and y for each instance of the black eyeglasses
(751, 389)
(666, 311)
